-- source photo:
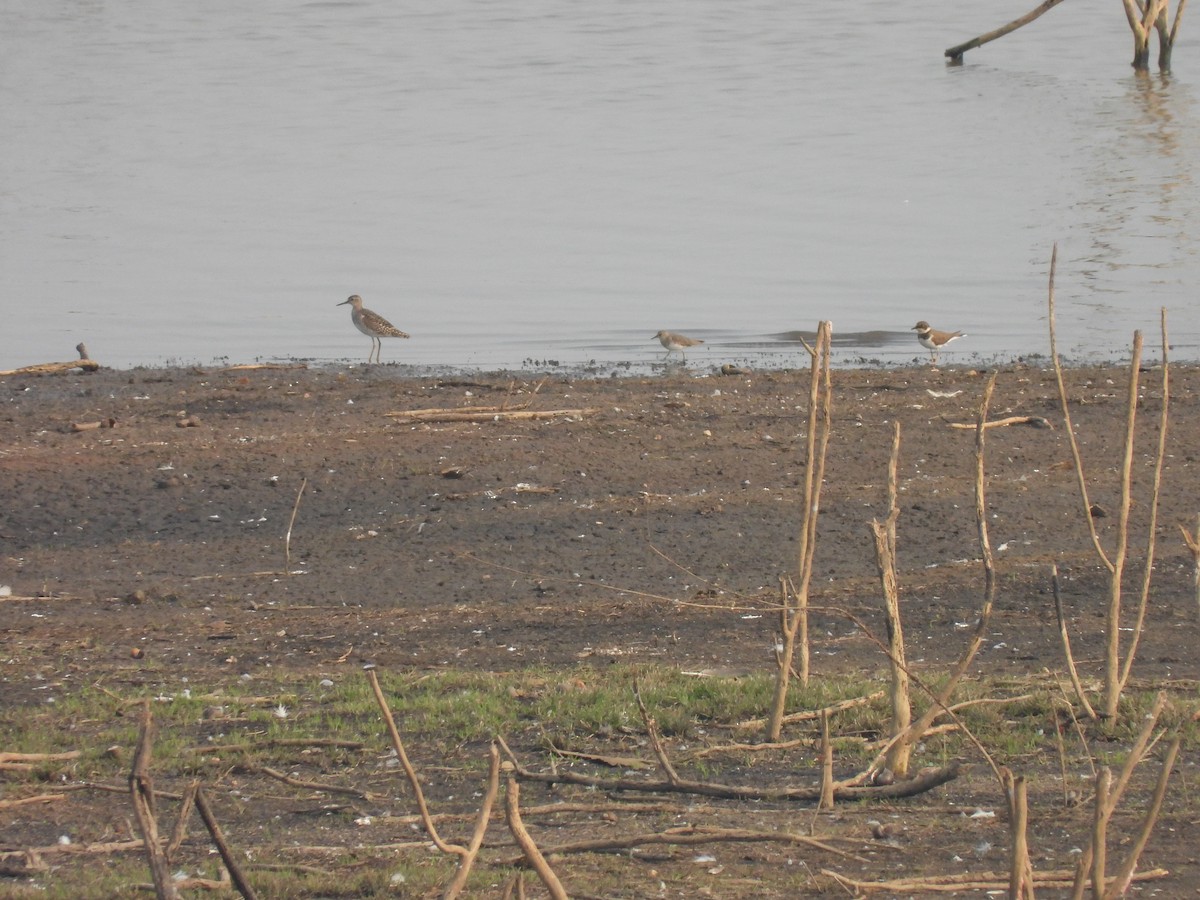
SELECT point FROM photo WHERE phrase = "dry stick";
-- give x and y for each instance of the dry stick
(1070, 428)
(1112, 651)
(971, 881)
(1066, 642)
(801, 629)
(819, 400)
(1020, 878)
(942, 699)
(481, 825)
(491, 416)
(141, 786)
(1100, 830)
(826, 801)
(1193, 545)
(311, 785)
(926, 780)
(885, 559)
(1152, 527)
(227, 855)
(287, 540)
(1113, 796)
(528, 847)
(413, 780)
(1116, 563)
(1121, 882)
(1035, 421)
(655, 740)
(803, 716)
(693, 835)
(39, 757)
(185, 810)
(938, 702)
(955, 53)
(29, 801)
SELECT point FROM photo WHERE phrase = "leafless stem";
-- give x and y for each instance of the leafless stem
(287, 540)
(1152, 527)
(1062, 394)
(1066, 642)
(481, 825)
(533, 855)
(413, 780)
(141, 786)
(227, 855)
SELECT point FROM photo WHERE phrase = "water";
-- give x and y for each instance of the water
(522, 182)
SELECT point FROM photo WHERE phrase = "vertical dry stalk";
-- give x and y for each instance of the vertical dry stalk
(1120, 883)
(819, 402)
(481, 824)
(1108, 796)
(1152, 527)
(287, 540)
(413, 780)
(885, 561)
(1066, 642)
(1116, 675)
(1020, 878)
(900, 749)
(655, 738)
(826, 800)
(141, 786)
(1193, 545)
(512, 806)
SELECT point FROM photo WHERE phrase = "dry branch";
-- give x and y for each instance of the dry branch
(84, 363)
(481, 824)
(1035, 421)
(413, 780)
(310, 785)
(494, 415)
(691, 835)
(971, 881)
(955, 54)
(803, 716)
(926, 780)
(512, 806)
(794, 619)
(1080, 693)
(227, 855)
(30, 801)
(141, 787)
(1193, 545)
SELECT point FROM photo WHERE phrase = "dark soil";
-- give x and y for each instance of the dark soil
(652, 527)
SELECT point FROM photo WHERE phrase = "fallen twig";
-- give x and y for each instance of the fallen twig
(1035, 421)
(971, 881)
(310, 785)
(486, 415)
(29, 801)
(924, 781)
(690, 835)
(227, 855)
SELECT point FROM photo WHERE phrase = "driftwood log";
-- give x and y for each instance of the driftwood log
(85, 363)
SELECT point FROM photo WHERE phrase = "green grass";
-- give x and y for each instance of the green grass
(446, 719)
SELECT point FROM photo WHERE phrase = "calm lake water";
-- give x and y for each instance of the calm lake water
(521, 182)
